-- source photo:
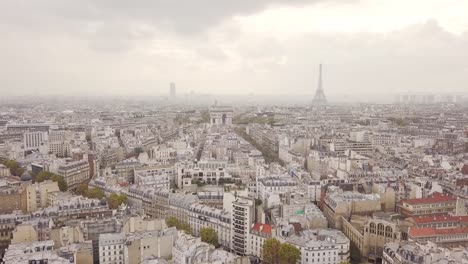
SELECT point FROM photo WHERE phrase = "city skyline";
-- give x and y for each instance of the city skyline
(266, 47)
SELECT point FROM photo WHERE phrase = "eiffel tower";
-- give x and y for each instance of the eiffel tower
(319, 98)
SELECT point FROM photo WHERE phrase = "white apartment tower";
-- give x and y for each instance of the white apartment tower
(243, 217)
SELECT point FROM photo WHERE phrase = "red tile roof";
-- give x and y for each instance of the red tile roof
(262, 228)
(439, 218)
(435, 198)
(430, 231)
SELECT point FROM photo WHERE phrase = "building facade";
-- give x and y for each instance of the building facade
(112, 249)
(74, 173)
(436, 204)
(243, 216)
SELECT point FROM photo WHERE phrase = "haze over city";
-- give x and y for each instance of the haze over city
(120, 48)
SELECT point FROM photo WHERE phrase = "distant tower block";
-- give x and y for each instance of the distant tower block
(172, 90)
(319, 98)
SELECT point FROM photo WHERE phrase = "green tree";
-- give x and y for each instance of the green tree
(15, 168)
(82, 189)
(115, 200)
(185, 227)
(209, 236)
(95, 193)
(271, 249)
(171, 221)
(123, 199)
(49, 176)
(62, 184)
(288, 254)
(44, 176)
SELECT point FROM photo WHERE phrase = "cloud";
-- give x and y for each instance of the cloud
(185, 16)
(119, 47)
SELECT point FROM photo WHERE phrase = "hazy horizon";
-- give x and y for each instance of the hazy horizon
(265, 47)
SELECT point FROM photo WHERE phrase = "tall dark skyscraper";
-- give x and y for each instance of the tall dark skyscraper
(172, 90)
(319, 98)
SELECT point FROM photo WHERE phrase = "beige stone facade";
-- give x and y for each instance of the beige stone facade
(37, 194)
(24, 233)
(74, 173)
(340, 204)
(370, 234)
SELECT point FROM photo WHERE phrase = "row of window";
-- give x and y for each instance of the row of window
(323, 254)
(111, 247)
(113, 253)
(320, 261)
(434, 205)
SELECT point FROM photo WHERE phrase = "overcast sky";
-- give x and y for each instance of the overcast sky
(117, 47)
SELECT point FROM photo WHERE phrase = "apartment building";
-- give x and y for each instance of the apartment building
(202, 216)
(411, 252)
(147, 244)
(7, 225)
(34, 140)
(446, 237)
(265, 136)
(243, 216)
(126, 169)
(258, 234)
(207, 172)
(278, 185)
(212, 198)
(34, 252)
(93, 228)
(158, 178)
(112, 249)
(27, 127)
(341, 146)
(440, 221)
(12, 198)
(436, 204)
(338, 203)
(59, 143)
(37, 194)
(384, 139)
(163, 154)
(74, 173)
(324, 246)
(60, 148)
